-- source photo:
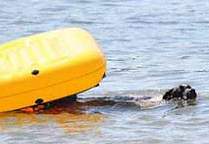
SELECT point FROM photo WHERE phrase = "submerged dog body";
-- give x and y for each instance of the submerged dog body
(73, 105)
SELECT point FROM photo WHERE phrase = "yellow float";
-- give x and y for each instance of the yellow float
(48, 66)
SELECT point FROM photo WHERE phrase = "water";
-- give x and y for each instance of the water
(150, 46)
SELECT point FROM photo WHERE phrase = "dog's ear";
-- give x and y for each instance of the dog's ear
(188, 86)
(178, 93)
(181, 88)
(168, 95)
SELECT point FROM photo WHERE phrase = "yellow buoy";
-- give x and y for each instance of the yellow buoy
(48, 66)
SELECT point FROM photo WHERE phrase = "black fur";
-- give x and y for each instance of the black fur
(180, 92)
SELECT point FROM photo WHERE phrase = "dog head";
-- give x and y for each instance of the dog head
(180, 92)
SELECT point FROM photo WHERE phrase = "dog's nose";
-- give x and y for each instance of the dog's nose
(192, 94)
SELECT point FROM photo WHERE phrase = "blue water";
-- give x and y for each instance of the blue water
(150, 46)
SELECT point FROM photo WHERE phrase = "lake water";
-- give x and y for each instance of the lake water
(150, 46)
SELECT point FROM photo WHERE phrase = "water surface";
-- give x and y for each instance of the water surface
(150, 46)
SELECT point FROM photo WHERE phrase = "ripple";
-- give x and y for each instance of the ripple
(54, 9)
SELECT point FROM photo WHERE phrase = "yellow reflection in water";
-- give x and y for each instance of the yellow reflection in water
(82, 123)
(64, 122)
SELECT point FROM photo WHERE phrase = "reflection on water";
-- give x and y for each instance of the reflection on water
(86, 115)
(66, 122)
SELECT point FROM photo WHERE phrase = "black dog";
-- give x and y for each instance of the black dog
(180, 92)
